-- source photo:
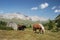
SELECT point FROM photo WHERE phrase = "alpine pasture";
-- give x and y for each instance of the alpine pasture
(52, 32)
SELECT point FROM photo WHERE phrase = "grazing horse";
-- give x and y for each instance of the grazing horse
(13, 25)
(40, 27)
(21, 27)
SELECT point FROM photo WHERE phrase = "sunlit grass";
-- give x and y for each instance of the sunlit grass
(28, 34)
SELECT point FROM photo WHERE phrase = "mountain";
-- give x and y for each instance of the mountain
(36, 18)
(18, 15)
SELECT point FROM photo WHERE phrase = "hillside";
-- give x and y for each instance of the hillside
(28, 34)
(18, 15)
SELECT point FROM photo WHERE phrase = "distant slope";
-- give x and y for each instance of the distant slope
(21, 16)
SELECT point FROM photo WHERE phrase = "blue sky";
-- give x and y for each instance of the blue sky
(42, 8)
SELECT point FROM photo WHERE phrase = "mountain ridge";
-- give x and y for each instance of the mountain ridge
(18, 15)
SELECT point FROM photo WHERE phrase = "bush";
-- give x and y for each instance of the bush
(51, 25)
(57, 20)
(58, 25)
(3, 23)
(3, 26)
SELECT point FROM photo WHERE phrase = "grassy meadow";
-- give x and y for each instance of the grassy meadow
(52, 31)
(28, 34)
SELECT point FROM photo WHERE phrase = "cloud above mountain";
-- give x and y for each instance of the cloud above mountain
(34, 8)
(57, 11)
(53, 7)
(43, 5)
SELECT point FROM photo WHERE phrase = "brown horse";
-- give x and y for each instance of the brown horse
(38, 26)
(21, 27)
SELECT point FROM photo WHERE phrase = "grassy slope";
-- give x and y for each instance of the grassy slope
(28, 34)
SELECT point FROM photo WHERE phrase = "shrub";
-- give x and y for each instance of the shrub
(3, 23)
(51, 25)
(57, 20)
(3, 26)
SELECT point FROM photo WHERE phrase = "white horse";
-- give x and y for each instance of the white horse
(12, 25)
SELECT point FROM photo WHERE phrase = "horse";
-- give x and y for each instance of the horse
(21, 27)
(13, 25)
(40, 27)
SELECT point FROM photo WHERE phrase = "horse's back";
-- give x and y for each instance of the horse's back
(36, 26)
(41, 26)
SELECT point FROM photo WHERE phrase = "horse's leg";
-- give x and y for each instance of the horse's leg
(40, 30)
(34, 29)
(43, 31)
(22, 29)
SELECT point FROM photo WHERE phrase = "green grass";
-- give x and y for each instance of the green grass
(28, 34)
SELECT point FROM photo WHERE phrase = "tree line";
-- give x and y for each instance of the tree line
(54, 25)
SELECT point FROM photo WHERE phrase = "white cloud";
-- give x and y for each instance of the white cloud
(56, 11)
(44, 5)
(53, 7)
(34, 8)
